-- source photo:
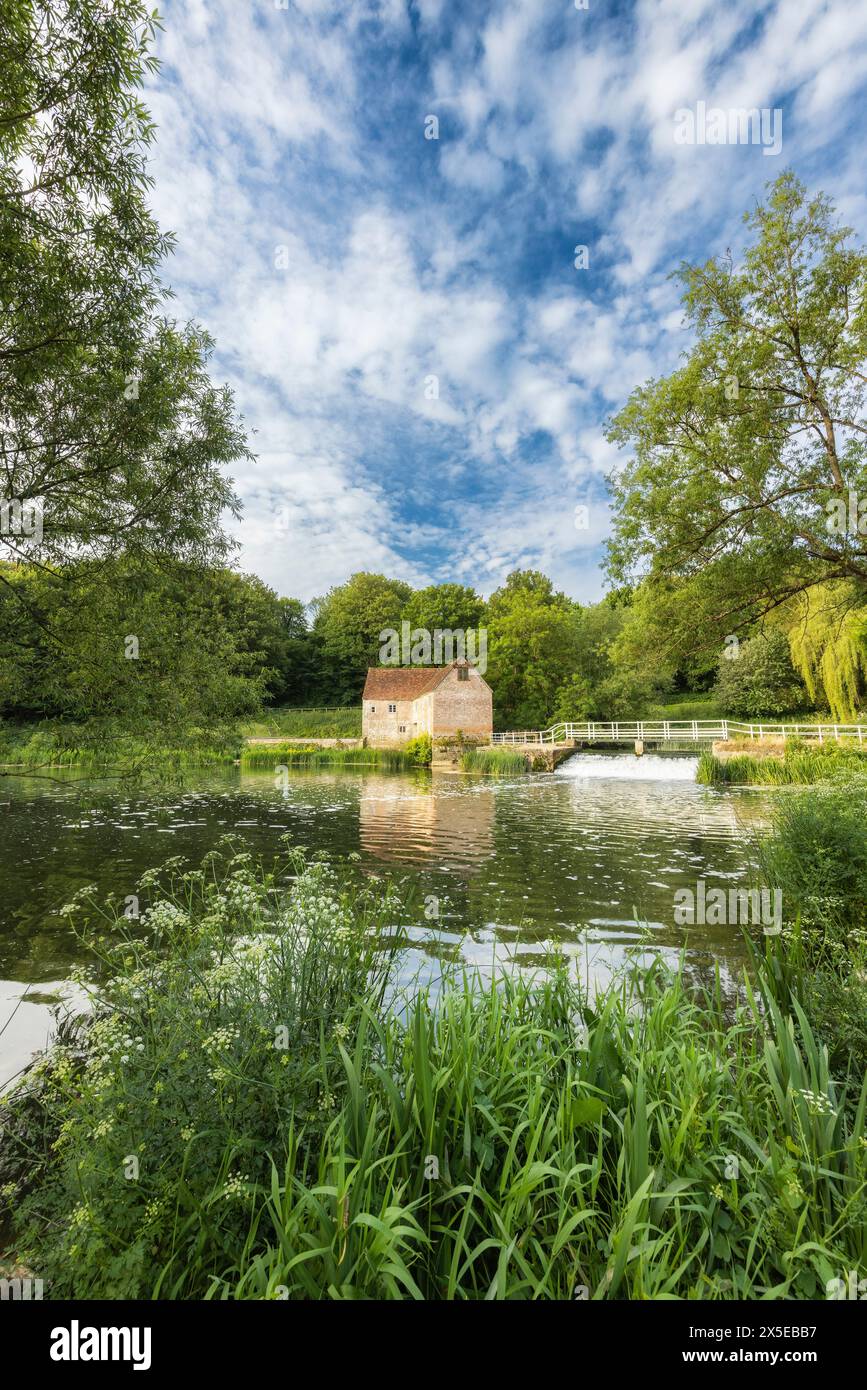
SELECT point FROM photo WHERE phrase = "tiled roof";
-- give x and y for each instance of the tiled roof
(401, 682)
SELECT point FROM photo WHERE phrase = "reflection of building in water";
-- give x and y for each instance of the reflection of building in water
(443, 821)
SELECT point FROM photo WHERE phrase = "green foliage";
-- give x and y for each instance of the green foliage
(294, 1135)
(533, 647)
(103, 744)
(760, 681)
(109, 416)
(495, 762)
(306, 723)
(420, 750)
(216, 1035)
(347, 626)
(203, 639)
(736, 455)
(816, 853)
(828, 641)
(691, 706)
(800, 765)
(454, 607)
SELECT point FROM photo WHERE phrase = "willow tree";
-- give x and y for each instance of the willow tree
(740, 459)
(828, 643)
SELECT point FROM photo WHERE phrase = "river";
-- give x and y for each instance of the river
(588, 860)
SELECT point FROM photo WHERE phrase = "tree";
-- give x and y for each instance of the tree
(347, 630)
(742, 456)
(109, 424)
(157, 650)
(532, 649)
(758, 678)
(449, 607)
(828, 644)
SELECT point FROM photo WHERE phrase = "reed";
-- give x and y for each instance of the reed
(291, 755)
(494, 762)
(799, 766)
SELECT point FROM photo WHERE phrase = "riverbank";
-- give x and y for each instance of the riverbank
(284, 1131)
(99, 747)
(786, 764)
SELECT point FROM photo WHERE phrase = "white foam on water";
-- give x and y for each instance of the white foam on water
(629, 767)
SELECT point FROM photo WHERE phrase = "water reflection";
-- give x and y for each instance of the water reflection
(446, 820)
(578, 862)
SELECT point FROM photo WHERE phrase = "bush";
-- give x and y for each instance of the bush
(817, 854)
(215, 1036)
(761, 680)
(420, 750)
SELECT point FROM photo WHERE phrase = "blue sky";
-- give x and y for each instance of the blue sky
(342, 260)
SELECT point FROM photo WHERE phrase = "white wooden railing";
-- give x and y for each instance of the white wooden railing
(676, 731)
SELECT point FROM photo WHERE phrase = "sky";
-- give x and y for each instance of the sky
(378, 205)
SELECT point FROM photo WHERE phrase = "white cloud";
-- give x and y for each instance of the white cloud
(409, 259)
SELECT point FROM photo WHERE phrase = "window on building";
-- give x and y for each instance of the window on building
(463, 673)
(392, 709)
(373, 709)
(401, 728)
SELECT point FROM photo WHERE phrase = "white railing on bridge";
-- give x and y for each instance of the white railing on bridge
(676, 731)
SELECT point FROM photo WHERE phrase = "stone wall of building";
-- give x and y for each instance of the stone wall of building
(381, 728)
(465, 705)
(452, 705)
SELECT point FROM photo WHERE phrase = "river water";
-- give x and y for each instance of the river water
(588, 860)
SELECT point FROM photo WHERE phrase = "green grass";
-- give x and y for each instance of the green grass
(312, 723)
(698, 706)
(97, 746)
(293, 755)
(689, 707)
(799, 766)
(298, 1138)
(495, 762)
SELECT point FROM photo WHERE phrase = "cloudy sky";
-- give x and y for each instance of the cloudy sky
(427, 372)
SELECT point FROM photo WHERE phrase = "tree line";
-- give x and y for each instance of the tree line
(740, 509)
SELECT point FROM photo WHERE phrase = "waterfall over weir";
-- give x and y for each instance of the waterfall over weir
(650, 767)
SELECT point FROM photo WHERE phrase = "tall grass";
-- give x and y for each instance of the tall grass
(305, 723)
(291, 755)
(689, 707)
(490, 1155)
(297, 1138)
(816, 853)
(97, 745)
(799, 766)
(496, 762)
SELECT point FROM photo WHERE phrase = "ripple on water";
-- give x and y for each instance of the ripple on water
(535, 860)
